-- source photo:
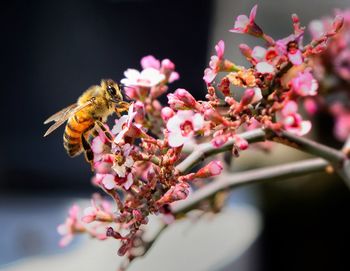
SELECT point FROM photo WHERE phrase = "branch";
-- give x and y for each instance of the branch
(205, 150)
(229, 181)
(307, 145)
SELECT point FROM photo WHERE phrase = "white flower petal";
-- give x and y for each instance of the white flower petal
(198, 121)
(108, 182)
(176, 139)
(264, 67)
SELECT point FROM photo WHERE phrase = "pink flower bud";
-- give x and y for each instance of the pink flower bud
(139, 108)
(241, 143)
(245, 50)
(181, 99)
(214, 168)
(248, 96)
(212, 115)
(177, 192)
(167, 64)
(338, 23)
(167, 113)
(137, 215)
(310, 106)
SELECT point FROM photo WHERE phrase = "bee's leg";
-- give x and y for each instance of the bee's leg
(89, 155)
(121, 107)
(101, 126)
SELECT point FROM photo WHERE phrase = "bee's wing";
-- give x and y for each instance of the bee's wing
(60, 117)
(60, 114)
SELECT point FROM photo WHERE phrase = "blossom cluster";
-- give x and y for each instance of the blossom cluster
(135, 161)
(332, 70)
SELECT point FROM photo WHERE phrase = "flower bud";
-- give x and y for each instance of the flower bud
(245, 50)
(139, 108)
(241, 143)
(168, 65)
(338, 23)
(181, 99)
(214, 168)
(247, 96)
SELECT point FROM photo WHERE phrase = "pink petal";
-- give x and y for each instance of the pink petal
(173, 77)
(290, 108)
(65, 240)
(97, 145)
(241, 22)
(220, 48)
(209, 75)
(150, 62)
(252, 14)
(129, 181)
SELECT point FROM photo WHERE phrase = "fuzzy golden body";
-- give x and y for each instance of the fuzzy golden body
(94, 105)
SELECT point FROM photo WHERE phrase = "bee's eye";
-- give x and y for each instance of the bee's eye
(111, 90)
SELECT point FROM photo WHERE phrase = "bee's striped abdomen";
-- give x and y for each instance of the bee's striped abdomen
(75, 128)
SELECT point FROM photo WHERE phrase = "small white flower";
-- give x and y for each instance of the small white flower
(148, 77)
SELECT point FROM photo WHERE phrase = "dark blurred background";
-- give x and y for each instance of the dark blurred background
(53, 50)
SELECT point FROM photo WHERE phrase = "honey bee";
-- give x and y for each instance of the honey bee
(93, 107)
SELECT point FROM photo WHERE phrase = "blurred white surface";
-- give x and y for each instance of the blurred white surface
(210, 243)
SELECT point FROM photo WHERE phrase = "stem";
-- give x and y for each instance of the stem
(273, 173)
(307, 145)
(205, 150)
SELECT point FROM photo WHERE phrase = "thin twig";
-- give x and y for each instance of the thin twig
(229, 181)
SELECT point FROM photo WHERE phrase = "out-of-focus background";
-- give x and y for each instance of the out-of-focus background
(53, 50)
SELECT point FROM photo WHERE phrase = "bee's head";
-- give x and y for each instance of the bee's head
(113, 92)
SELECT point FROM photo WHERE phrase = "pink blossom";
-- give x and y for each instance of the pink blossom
(168, 68)
(214, 168)
(183, 126)
(243, 24)
(295, 57)
(342, 121)
(181, 99)
(310, 106)
(304, 84)
(165, 67)
(289, 47)
(292, 121)
(148, 78)
(99, 212)
(104, 163)
(215, 63)
(125, 127)
(106, 180)
(70, 226)
(125, 161)
(342, 64)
